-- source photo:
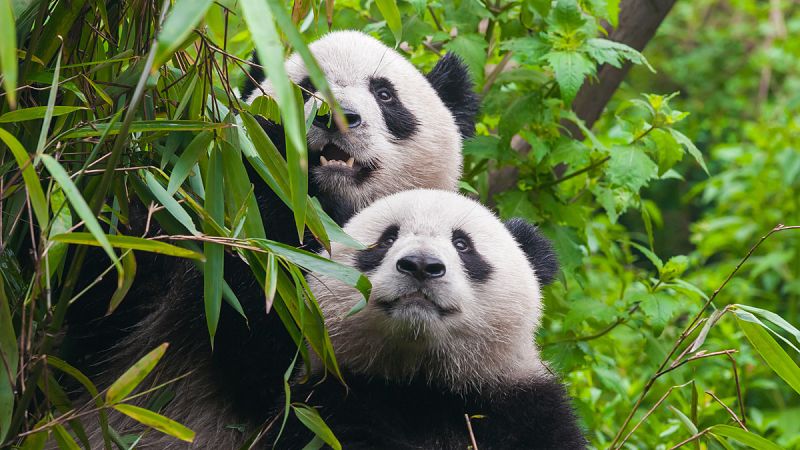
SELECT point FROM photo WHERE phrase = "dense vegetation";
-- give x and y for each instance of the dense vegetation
(664, 337)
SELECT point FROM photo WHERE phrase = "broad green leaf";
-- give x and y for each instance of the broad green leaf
(774, 318)
(130, 242)
(29, 176)
(157, 421)
(128, 381)
(143, 126)
(8, 53)
(690, 147)
(10, 354)
(391, 14)
(472, 49)
(630, 167)
(182, 19)
(215, 253)
(660, 308)
(82, 208)
(311, 419)
(36, 112)
(745, 437)
(188, 159)
(674, 268)
(571, 68)
(772, 353)
(650, 255)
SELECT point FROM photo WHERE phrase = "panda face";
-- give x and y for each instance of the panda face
(454, 299)
(400, 133)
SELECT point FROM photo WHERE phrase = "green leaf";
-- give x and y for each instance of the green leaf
(650, 255)
(143, 126)
(8, 370)
(604, 51)
(630, 167)
(674, 268)
(772, 353)
(64, 439)
(36, 112)
(29, 176)
(157, 421)
(570, 67)
(215, 253)
(182, 19)
(8, 52)
(391, 14)
(171, 205)
(79, 204)
(472, 49)
(313, 421)
(188, 160)
(318, 264)
(129, 264)
(690, 147)
(774, 318)
(51, 103)
(260, 21)
(745, 437)
(128, 381)
(660, 308)
(130, 242)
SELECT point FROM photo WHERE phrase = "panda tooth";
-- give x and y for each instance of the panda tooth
(350, 162)
(323, 161)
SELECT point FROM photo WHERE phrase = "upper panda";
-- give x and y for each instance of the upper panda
(447, 332)
(404, 129)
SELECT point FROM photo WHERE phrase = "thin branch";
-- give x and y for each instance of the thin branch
(730, 411)
(471, 434)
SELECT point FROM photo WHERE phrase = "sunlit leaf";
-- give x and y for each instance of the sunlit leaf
(156, 421)
(129, 380)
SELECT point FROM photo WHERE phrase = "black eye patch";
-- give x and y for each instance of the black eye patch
(370, 258)
(306, 87)
(399, 120)
(478, 269)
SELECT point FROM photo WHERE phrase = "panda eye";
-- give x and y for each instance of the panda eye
(461, 245)
(387, 242)
(384, 95)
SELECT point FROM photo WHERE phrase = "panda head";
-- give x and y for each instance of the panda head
(455, 297)
(405, 129)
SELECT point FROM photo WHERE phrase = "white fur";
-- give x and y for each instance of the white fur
(431, 158)
(488, 341)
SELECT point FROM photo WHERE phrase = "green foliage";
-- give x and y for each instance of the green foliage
(134, 103)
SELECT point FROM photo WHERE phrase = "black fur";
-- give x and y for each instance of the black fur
(370, 258)
(537, 248)
(399, 120)
(451, 80)
(377, 413)
(478, 269)
(256, 73)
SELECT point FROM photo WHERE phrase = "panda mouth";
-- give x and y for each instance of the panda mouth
(332, 155)
(416, 300)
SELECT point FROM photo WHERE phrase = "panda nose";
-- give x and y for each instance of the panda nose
(353, 120)
(421, 267)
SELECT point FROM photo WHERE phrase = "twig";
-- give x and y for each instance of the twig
(471, 434)
(730, 411)
(690, 439)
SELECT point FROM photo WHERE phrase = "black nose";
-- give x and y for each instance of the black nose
(421, 267)
(353, 120)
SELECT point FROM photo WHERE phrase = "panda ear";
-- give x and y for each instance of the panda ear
(537, 248)
(451, 80)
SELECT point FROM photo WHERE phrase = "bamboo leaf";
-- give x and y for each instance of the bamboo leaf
(10, 354)
(128, 381)
(772, 353)
(172, 205)
(63, 438)
(37, 112)
(51, 103)
(8, 52)
(191, 154)
(391, 14)
(29, 176)
(130, 242)
(79, 204)
(182, 19)
(143, 126)
(157, 421)
(129, 264)
(215, 253)
(311, 419)
(745, 437)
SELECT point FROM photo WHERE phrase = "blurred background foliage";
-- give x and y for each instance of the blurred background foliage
(695, 158)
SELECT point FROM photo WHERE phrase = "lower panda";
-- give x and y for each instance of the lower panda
(448, 333)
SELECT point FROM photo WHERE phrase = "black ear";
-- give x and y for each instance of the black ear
(537, 248)
(450, 78)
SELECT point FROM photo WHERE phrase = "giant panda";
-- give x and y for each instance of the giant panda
(446, 338)
(405, 132)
